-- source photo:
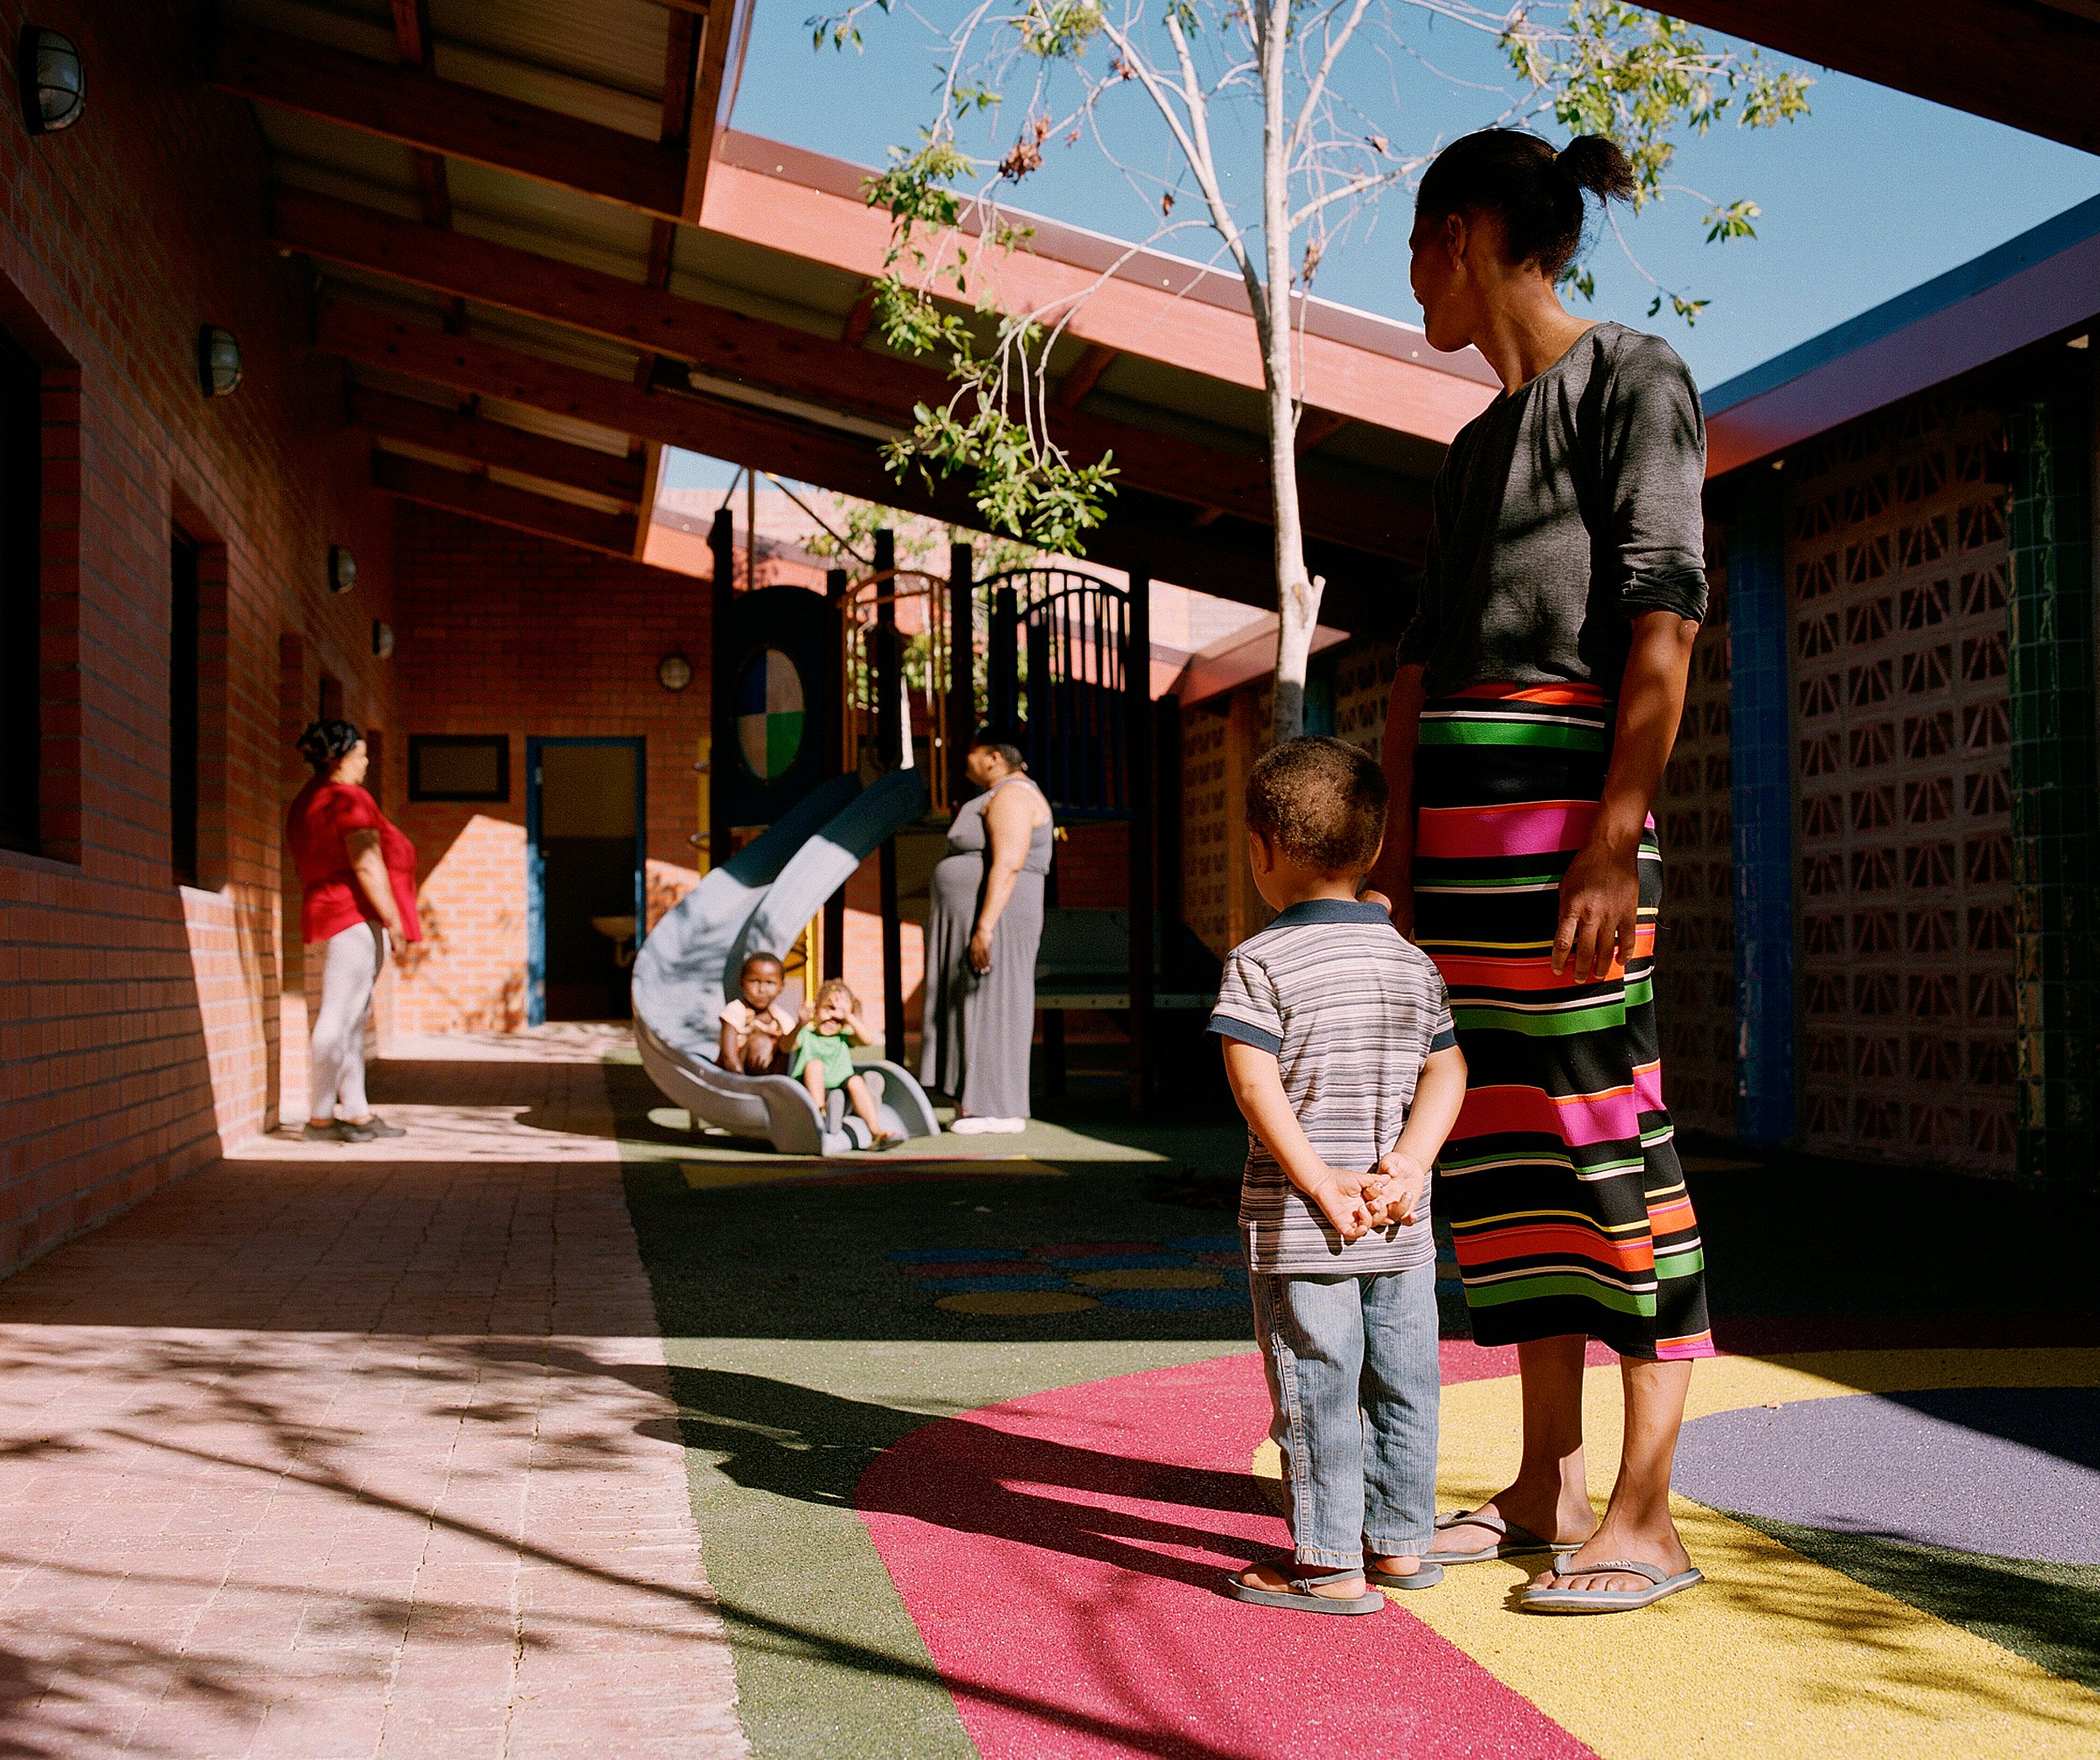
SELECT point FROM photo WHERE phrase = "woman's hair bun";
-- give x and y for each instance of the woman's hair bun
(1598, 165)
(325, 742)
(1536, 192)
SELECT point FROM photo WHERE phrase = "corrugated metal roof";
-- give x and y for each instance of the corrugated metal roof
(615, 45)
(600, 59)
(552, 222)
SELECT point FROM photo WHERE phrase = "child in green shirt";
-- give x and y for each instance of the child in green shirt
(823, 1057)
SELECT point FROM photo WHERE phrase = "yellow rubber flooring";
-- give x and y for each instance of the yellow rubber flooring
(1773, 1656)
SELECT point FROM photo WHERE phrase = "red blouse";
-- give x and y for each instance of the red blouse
(317, 827)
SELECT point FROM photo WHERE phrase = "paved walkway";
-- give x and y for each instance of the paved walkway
(333, 1452)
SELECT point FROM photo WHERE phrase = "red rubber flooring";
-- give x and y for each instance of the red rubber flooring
(1047, 1547)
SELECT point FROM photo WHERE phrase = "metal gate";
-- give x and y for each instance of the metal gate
(1059, 657)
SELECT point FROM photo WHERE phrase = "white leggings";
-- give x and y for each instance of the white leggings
(348, 972)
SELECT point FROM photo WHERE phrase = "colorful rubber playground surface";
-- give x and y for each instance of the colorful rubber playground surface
(972, 1443)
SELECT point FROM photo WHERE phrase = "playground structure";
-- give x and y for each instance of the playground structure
(839, 726)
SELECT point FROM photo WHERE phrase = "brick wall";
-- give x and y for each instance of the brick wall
(140, 1026)
(500, 632)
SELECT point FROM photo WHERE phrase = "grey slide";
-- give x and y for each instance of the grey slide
(758, 902)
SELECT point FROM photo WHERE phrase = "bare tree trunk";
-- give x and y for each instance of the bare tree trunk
(1297, 594)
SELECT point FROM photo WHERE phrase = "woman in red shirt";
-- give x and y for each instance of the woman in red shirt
(359, 873)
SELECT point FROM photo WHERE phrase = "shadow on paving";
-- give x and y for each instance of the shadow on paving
(799, 1442)
(170, 1403)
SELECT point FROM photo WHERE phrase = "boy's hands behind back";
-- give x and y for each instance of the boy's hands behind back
(1393, 1193)
(1341, 1199)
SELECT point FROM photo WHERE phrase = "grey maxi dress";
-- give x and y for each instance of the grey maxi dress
(976, 1031)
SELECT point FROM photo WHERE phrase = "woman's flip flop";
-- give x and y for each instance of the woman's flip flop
(1514, 1540)
(1537, 1600)
(1299, 1595)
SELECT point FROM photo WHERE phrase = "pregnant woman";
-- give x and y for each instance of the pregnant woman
(358, 873)
(982, 934)
(1537, 696)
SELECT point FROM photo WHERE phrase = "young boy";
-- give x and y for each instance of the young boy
(1340, 1049)
(758, 1028)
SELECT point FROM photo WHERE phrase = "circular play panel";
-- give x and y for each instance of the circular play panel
(771, 709)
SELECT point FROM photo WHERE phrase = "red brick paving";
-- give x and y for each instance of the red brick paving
(327, 1452)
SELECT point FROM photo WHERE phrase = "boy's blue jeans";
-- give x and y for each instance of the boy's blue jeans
(1353, 1380)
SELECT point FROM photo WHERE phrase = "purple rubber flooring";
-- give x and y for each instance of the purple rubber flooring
(2012, 1471)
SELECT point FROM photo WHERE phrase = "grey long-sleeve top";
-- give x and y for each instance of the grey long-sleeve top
(1521, 587)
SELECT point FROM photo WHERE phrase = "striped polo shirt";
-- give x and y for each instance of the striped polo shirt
(1350, 1011)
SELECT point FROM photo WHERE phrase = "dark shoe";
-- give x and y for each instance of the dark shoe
(379, 1127)
(338, 1131)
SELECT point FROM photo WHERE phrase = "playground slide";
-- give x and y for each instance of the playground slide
(758, 902)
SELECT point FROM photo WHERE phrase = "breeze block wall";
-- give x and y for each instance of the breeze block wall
(1694, 945)
(498, 632)
(140, 1020)
(1898, 565)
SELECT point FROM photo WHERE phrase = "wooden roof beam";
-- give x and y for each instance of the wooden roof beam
(480, 441)
(1315, 428)
(1094, 359)
(442, 116)
(847, 462)
(2034, 67)
(714, 85)
(808, 368)
(1141, 531)
(499, 505)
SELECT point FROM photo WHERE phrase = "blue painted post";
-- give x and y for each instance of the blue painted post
(1762, 799)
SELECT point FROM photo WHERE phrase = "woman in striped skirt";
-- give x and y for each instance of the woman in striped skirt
(1537, 696)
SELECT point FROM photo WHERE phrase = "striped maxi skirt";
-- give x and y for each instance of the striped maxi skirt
(1561, 1180)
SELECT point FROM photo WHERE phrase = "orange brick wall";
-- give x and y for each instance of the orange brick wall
(140, 1026)
(500, 632)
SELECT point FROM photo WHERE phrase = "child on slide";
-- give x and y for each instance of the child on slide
(823, 1057)
(757, 1028)
(1340, 1049)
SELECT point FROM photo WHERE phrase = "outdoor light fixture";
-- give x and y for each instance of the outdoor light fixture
(217, 361)
(342, 569)
(674, 672)
(383, 639)
(47, 76)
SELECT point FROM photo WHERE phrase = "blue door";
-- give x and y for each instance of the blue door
(585, 876)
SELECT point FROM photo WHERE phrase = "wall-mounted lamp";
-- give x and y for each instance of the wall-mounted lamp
(674, 672)
(342, 569)
(49, 78)
(217, 361)
(383, 639)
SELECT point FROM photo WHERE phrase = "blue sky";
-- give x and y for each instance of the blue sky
(1871, 193)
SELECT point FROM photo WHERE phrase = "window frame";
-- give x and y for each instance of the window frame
(499, 796)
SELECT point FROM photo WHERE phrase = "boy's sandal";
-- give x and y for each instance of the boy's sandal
(1513, 1539)
(1299, 1593)
(1537, 1600)
(1426, 1576)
